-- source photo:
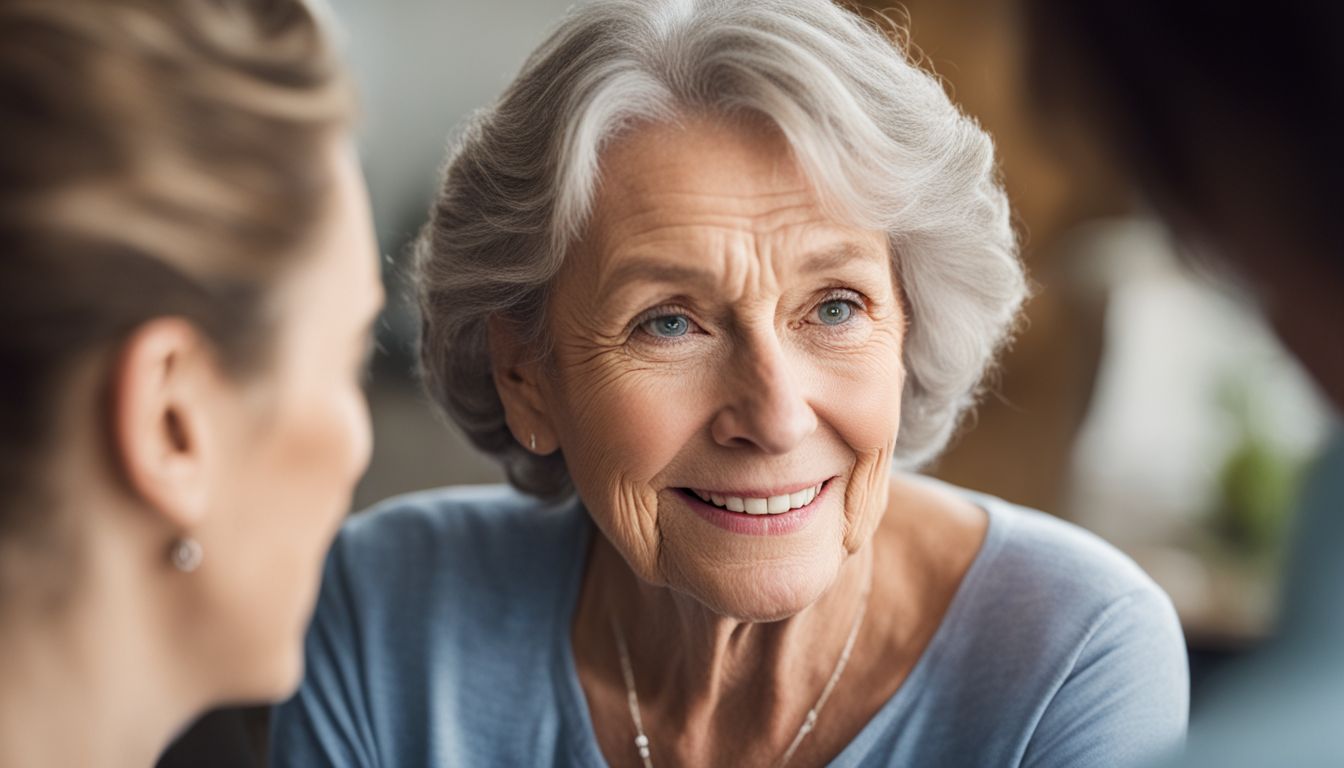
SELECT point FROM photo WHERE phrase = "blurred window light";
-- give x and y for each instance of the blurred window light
(1199, 423)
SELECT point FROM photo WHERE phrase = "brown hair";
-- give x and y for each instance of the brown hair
(159, 158)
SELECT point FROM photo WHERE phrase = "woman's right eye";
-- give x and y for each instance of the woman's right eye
(667, 326)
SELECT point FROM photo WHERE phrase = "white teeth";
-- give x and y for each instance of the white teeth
(773, 505)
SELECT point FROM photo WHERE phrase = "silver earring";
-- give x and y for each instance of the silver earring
(532, 441)
(186, 554)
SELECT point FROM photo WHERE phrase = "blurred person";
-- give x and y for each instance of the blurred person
(702, 279)
(1231, 122)
(187, 281)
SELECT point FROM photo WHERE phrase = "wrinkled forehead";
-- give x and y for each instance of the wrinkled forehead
(673, 191)
(698, 155)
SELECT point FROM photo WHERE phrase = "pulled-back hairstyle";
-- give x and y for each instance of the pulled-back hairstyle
(156, 158)
(876, 135)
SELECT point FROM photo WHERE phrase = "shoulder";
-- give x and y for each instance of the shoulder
(1035, 563)
(432, 603)
(1069, 650)
(1074, 596)
(1060, 577)
(490, 537)
(1118, 691)
(450, 510)
(1038, 589)
(1036, 550)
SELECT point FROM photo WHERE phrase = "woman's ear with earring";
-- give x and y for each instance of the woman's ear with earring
(164, 429)
(186, 554)
(518, 382)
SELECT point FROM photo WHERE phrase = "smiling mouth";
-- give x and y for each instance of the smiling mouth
(759, 505)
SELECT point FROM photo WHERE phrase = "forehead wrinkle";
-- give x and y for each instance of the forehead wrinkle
(722, 240)
(708, 210)
(635, 270)
(674, 253)
(738, 261)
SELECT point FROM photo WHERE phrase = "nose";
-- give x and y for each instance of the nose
(765, 405)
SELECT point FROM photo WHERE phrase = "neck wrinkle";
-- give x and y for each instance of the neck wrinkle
(690, 662)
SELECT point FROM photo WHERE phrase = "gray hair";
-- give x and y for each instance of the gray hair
(877, 136)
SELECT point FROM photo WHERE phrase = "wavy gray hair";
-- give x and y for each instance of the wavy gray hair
(877, 136)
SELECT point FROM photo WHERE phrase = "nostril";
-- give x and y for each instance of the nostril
(774, 427)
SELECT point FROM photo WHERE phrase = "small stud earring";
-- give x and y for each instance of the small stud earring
(532, 441)
(186, 554)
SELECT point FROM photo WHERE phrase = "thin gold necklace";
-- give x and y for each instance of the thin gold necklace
(809, 722)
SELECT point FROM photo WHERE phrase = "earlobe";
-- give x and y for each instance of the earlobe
(159, 424)
(516, 374)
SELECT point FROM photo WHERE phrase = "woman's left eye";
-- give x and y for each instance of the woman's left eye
(667, 326)
(835, 311)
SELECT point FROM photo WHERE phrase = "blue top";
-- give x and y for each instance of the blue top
(1286, 707)
(442, 637)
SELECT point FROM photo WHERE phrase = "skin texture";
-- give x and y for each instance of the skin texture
(708, 227)
(158, 441)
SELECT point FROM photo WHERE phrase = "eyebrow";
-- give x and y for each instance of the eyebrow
(838, 256)
(652, 270)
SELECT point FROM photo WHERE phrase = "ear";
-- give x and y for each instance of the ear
(163, 382)
(517, 373)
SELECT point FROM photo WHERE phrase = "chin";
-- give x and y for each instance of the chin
(272, 679)
(768, 594)
(285, 678)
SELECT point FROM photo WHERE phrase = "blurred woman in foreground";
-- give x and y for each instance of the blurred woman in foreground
(187, 279)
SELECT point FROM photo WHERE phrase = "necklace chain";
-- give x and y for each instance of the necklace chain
(809, 721)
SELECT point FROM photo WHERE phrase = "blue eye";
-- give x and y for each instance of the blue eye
(835, 312)
(667, 326)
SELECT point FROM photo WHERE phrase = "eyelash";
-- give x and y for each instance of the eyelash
(637, 327)
(853, 298)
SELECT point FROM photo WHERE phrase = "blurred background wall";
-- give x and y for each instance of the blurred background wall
(1138, 401)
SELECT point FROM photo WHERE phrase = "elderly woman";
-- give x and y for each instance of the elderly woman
(703, 279)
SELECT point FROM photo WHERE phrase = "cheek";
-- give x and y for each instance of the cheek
(319, 445)
(285, 505)
(621, 419)
(860, 397)
(320, 453)
(862, 403)
(619, 433)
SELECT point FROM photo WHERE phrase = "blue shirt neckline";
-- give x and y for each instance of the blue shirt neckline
(574, 704)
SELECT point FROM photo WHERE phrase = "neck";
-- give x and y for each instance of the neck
(712, 690)
(693, 666)
(84, 681)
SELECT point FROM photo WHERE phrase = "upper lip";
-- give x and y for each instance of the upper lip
(759, 492)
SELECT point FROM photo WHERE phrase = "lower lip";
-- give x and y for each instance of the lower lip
(757, 525)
